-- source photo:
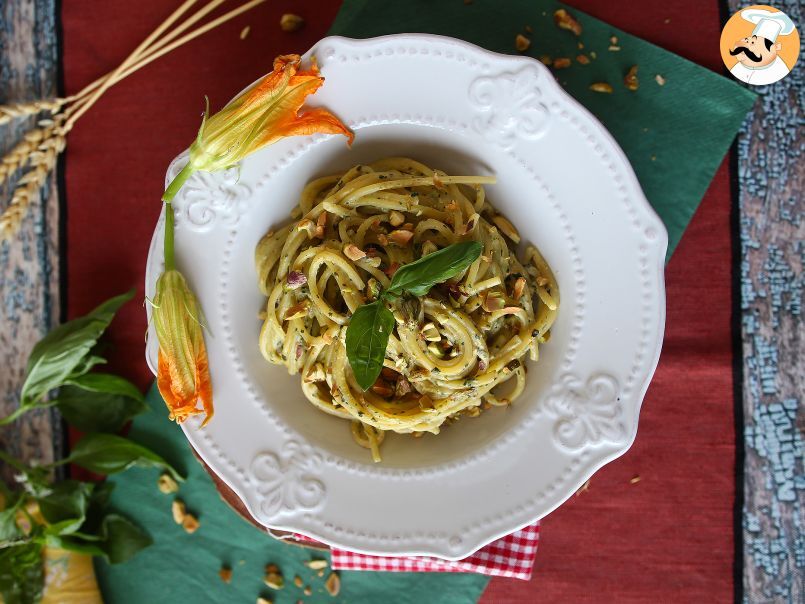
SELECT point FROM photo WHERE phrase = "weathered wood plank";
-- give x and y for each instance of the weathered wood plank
(771, 184)
(29, 267)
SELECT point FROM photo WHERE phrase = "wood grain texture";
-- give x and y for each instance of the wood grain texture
(29, 275)
(771, 181)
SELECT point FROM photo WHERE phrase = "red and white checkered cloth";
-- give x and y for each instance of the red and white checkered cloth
(510, 556)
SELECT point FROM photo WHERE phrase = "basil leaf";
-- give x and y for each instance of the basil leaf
(109, 454)
(367, 337)
(418, 277)
(97, 507)
(22, 573)
(99, 402)
(118, 540)
(9, 530)
(121, 538)
(56, 356)
(65, 507)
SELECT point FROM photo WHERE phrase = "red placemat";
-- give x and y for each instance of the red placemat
(667, 537)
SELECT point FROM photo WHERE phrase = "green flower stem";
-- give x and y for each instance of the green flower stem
(170, 264)
(176, 184)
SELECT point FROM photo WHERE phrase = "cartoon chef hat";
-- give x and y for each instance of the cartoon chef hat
(769, 25)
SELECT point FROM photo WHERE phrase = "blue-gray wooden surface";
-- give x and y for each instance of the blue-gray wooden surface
(29, 267)
(771, 181)
(771, 172)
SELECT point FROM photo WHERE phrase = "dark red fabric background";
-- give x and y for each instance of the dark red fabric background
(668, 538)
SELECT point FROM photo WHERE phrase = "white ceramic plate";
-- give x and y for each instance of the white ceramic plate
(568, 188)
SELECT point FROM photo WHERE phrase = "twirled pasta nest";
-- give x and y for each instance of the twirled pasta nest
(456, 351)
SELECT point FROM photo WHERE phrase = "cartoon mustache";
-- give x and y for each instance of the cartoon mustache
(752, 56)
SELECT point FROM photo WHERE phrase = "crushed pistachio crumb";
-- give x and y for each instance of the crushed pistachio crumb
(167, 484)
(316, 564)
(333, 584)
(564, 20)
(630, 79)
(614, 48)
(521, 43)
(583, 59)
(307, 591)
(226, 574)
(297, 580)
(179, 510)
(273, 578)
(190, 523)
(601, 87)
(561, 63)
(290, 22)
(659, 79)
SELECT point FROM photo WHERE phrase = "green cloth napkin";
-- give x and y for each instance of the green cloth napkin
(182, 568)
(675, 135)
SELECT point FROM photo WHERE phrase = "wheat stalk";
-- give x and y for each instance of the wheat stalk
(41, 146)
(20, 154)
(28, 187)
(16, 110)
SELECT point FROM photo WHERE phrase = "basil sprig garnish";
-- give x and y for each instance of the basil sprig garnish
(371, 325)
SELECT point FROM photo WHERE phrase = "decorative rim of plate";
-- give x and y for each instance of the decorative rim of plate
(285, 489)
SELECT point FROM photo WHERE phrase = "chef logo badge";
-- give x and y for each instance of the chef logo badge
(760, 45)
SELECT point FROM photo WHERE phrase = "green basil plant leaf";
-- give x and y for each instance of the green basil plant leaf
(109, 454)
(9, 531)
(118, 540)
(65, 507)
(99, 402)
(22, 573)
(56, 356)
(418, 277)
(367, 337)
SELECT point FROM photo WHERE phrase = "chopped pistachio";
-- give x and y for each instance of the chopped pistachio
(333, 584)
(601, 87)
(396, 218)
(564, 20)
(167, 484)
(290, 22)
(179, 510)
(190, 523)
(630, 79)
(274, 580)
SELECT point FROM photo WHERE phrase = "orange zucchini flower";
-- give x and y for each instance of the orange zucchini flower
(261, 115)
(183, 375)
(266, 112)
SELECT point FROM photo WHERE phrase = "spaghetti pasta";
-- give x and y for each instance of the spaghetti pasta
(455, 351)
